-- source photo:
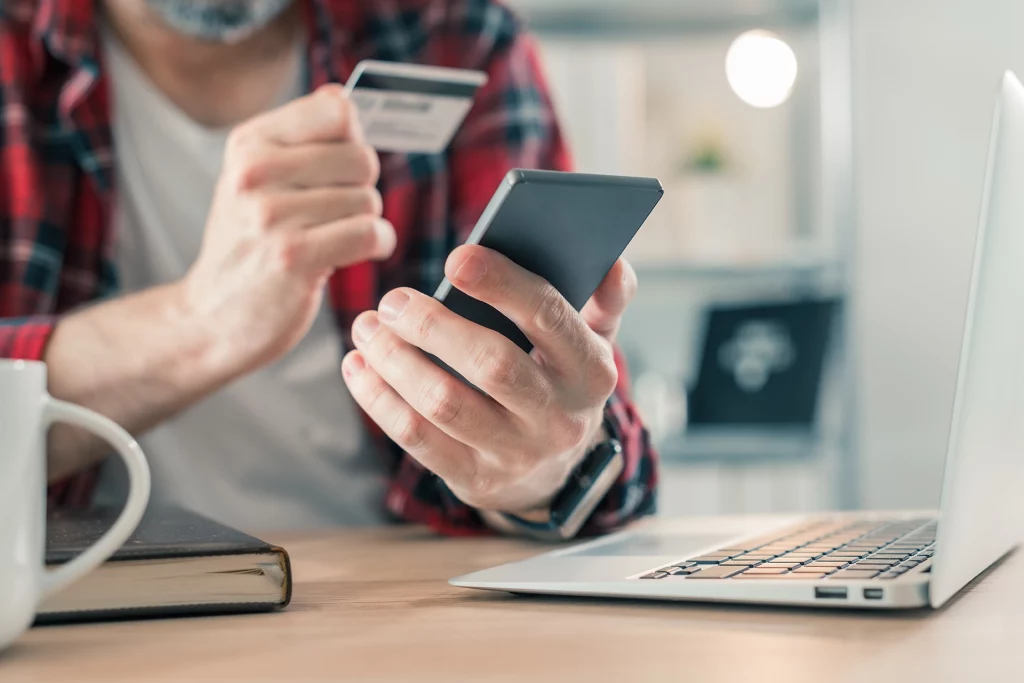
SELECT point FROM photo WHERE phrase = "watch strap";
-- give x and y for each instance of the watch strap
(573, 505)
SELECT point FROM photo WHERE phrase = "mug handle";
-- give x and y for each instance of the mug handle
(138, 493)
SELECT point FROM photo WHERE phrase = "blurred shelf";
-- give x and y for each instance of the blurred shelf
(741, 447)
(615, 17)
(725, 269)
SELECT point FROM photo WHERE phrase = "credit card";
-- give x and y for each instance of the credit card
(411, 108)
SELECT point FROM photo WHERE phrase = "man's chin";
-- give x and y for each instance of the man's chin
(217, 21)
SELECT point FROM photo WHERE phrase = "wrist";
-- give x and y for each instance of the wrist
(541, 510)
(205, 351)
(575, 502)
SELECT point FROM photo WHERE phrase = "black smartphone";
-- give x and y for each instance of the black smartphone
(568, 228)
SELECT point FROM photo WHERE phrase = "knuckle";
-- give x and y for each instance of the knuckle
(442, 403)
(603, 372)
(496, 367)
(425, 324)
(374, 390)
(288, 253)
(552, 312)
(266, 211)
(572, 431)
(251, 170)
(410, 430)
(388, 347)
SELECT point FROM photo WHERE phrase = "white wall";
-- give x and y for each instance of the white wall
(926, 74)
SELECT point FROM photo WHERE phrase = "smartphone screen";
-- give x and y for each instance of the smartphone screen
(568, 228)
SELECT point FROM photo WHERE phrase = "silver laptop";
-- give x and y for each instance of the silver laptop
(903, 559)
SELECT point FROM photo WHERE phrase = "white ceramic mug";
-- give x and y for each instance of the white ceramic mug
(26, 413)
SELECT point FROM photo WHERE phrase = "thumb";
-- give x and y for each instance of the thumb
(604, 310)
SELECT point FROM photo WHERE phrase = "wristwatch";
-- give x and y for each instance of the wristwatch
(573, 505)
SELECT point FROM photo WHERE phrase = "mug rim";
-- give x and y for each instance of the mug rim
(17, 364)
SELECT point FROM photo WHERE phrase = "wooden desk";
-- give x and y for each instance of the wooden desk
(376, 606)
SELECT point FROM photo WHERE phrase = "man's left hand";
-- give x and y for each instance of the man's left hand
(512, 449)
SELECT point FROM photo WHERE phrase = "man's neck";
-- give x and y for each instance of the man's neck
(216, 84)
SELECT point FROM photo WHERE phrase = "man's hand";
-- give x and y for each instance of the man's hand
(512, 449)
(296, 199)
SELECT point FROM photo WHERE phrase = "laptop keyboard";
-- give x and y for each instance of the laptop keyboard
(833, 550)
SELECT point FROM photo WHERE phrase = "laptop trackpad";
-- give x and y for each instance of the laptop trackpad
(678, 546)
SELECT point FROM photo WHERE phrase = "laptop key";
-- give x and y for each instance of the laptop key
(765, 570)
(709, 559)
(804, 576)
(717, 572)
(655, 575)
(748, 575)
(856, 574)
(682, 571)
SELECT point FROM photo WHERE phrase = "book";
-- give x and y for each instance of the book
(176, 563)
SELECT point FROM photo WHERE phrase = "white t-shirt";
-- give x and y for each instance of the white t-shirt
(282, 447)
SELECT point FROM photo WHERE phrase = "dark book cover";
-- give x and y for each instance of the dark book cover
(163, 534)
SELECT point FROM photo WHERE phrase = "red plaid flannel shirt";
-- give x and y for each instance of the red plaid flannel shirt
(57, 185)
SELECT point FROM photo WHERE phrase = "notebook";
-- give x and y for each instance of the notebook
(176, 563)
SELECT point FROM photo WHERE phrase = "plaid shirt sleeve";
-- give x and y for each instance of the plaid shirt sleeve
(512, 125)
(25, 338)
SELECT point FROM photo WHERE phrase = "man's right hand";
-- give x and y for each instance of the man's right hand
(296, 199)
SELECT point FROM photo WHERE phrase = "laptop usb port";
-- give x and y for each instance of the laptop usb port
(874, 593)
(830, 593)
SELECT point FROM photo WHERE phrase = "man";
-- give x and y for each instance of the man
(193, 230)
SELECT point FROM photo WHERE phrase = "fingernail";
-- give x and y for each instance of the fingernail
(471, 271)
(365, 328)
(353, 365)
(392, 306)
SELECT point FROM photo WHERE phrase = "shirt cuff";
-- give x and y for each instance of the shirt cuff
(25, 338)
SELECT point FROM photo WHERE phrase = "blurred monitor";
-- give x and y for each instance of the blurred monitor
(759, 381)
(762, 364)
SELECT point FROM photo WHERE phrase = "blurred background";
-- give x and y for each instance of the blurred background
(803, 283)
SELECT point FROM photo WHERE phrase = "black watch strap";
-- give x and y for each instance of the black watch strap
(576, 501)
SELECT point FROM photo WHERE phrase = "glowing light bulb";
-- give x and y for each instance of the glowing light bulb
(761, 69)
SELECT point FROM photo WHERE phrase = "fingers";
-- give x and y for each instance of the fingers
(322, 116)
(564, 340)
(487, 359)
(435, 450)
(299, 209)
(456, 409)
(347, 241)
(603, 312)
(318, 164)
